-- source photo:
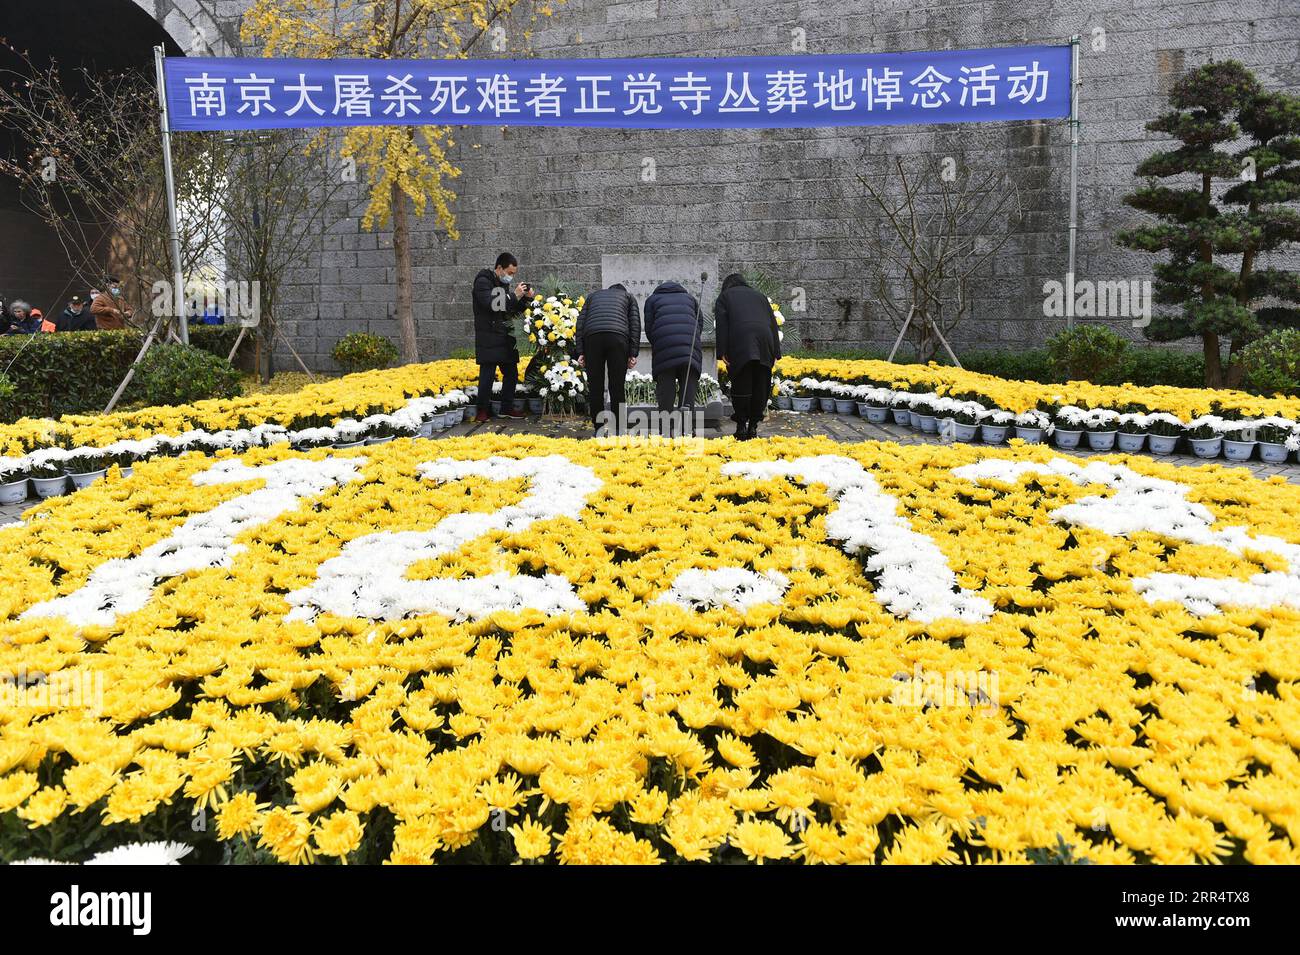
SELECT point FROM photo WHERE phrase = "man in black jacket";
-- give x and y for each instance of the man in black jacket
(75, 317)
(494, 340)
(749, 342)
(607, 340)
(675, 328)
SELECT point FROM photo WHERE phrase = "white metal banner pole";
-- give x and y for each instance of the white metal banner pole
(178, 278)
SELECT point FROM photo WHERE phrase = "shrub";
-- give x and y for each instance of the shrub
(1163, 366)
(72, 372)
(1028, 365)
(362, 351)
(178, 375)
(1272, 363)
(1087, 353)
(6, 387)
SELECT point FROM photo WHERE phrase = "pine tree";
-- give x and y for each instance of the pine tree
(1199, 237)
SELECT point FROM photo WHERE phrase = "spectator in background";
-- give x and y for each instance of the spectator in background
(75, 317)
(45, 324)
(109, 309)
(20, 320)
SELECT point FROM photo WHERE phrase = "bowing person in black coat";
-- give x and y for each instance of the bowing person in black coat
(749, 343)
(608, 339)
(494, 338)
(675, 328)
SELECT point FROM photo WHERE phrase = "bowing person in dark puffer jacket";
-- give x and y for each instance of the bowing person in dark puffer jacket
(749, 342)
(607, 340)
(675, 327)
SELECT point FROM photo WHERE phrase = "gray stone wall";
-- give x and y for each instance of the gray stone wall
(560, 199)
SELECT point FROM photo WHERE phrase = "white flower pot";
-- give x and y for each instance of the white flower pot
(1238, 450)
(50, 487)
(1067, 439)
(876, 415)
(496, 406)
(86, 478)
(928, 423)
(1029, 435)
(965, 432)
(826, 404)
(845, 406)
(994, 433)
(428, 426)
(1206, 447)
(344, 445)
(127, 471)
(801, 404)
(902, 417)
(1271, 453)
(783, 402)
(15, 492)
(534, 405)
(1101, 440)
(1162, 443)
(383, 440)
(1131, 442)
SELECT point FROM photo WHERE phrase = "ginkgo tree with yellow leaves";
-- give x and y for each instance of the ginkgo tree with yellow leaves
(405, 167)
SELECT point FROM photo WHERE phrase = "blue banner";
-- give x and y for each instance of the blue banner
(950, 86)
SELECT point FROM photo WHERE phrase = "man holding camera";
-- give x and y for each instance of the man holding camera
(495, 305)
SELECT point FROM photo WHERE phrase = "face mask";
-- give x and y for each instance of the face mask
(116, 290)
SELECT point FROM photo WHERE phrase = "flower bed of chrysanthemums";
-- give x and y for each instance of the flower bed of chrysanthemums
(509, 648)
(967, 406)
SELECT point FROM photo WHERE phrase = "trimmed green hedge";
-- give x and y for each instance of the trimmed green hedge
(70, 372)
(1139, 365)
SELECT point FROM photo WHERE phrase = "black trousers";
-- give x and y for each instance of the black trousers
(673, 384)
(487, 374)
(750, 389)
(605, 355)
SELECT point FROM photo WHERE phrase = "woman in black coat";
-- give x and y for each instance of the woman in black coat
(675, 328)
(749, 343)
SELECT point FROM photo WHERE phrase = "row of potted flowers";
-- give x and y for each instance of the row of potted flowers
(1131, 430)
(47, 472)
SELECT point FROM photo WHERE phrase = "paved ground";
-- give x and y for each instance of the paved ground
(779, 424)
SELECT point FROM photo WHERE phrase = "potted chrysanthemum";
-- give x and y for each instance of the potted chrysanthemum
(1033, 424)
(1239, 442)
(803, 397)
(1205, 436)
(994, 427)
(48, 479)
(1132, 429)
(13, 481)
(1070, 425)
(85, 466)
(1102, 425)
(1272, 436)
